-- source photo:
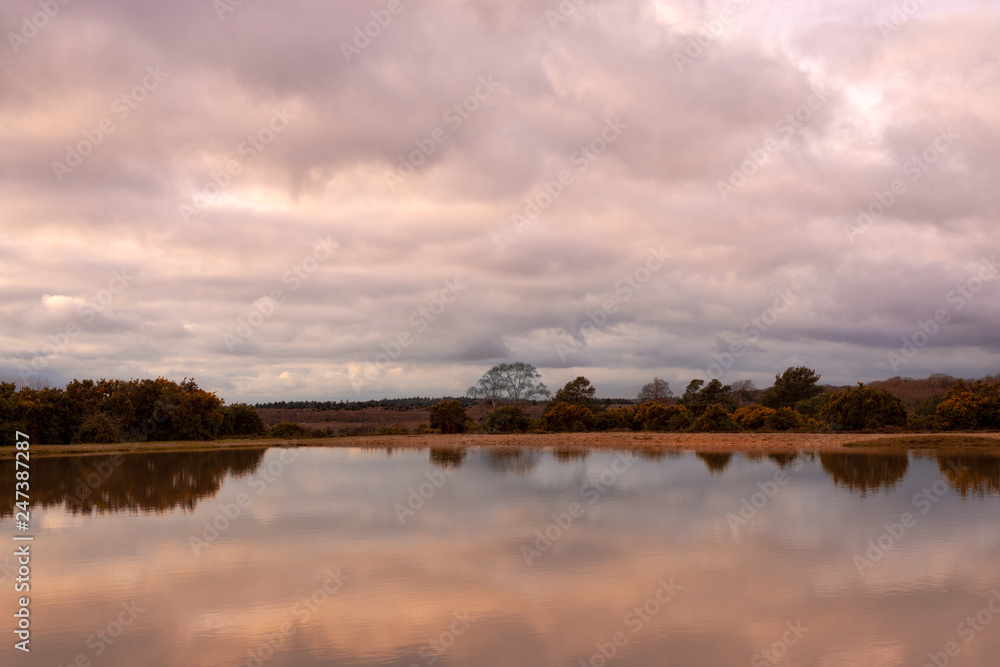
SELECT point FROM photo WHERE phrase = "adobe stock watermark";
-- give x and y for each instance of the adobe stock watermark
(967, 630)
(752, 329)
(101, 640)
(767, 491)
(914, 168)
(894, 532)
(454, 117)
(365, 34)
(420, 320)
(624, 290)
(121, 108)
(776, 653)
(418, 497)
(302, 612)
(900, 16)
(592, 490)
(709, 31)
(33, 25)
(582, 158)
(562, 13)
(86, 312)
(757, 157)
(435, 648)
(224, 7)
(265, 306)
(958, 298)
(634, 622)
(227, 513)
(245, 153)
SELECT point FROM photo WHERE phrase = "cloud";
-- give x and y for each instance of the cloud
(752, 165)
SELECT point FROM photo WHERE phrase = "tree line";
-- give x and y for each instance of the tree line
(796, 402)
(107, 411)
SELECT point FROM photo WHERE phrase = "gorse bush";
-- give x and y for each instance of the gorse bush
(864, 408)
(506, 419)
(970, 406)
(568, 417)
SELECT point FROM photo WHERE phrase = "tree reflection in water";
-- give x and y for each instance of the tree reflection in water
(130, 482)
(447, 457)
(570, 454)
(514, 460)
(865, 472)
(716, 462)
(971, 474)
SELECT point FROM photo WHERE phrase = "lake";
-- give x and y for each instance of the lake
(497, 557)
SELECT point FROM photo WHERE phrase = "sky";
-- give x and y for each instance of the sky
(354, 200)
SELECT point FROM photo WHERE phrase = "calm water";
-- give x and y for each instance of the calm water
(509, 557)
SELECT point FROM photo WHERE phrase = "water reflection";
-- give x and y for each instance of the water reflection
(162, 482)
(514, 460)
(319, 549)
(716, 462)
(447, 457)
(971, 474)
(570, 454)
(129, 482)
(783, 459)
(865, 473)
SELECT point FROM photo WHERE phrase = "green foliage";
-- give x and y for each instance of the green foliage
(864, 408)
(796, 384)
(449, 417)
(100, 427)
(783, 419)
(506, 419)
(715, 419)
(568, 417)
(970, 406)
(617, 418)
(289, 430)
(113, 411)
(240, 419)
(698, 396)
(654, 416)
(576, 392)
(813, 407)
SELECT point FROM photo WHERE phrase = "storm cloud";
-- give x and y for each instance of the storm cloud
(367, 199)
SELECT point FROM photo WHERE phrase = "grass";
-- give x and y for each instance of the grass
(932, 441)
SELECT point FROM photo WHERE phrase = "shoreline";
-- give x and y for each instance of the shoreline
(763, 443)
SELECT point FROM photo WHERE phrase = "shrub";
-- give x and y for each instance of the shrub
(653, 416)
(241, 419)
(970, 406)
(449, 417)
(100, 428)
(608, 420)
(288, 430)
(506, 419)
(568, 417)
(715, 419)
(752, 417)
(783, 419)
(864, 408)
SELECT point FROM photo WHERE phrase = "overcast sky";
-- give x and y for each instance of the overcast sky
(269, 196)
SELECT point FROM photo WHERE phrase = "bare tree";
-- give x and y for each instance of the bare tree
(744, 392)
(509, 383)
(658, 390)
